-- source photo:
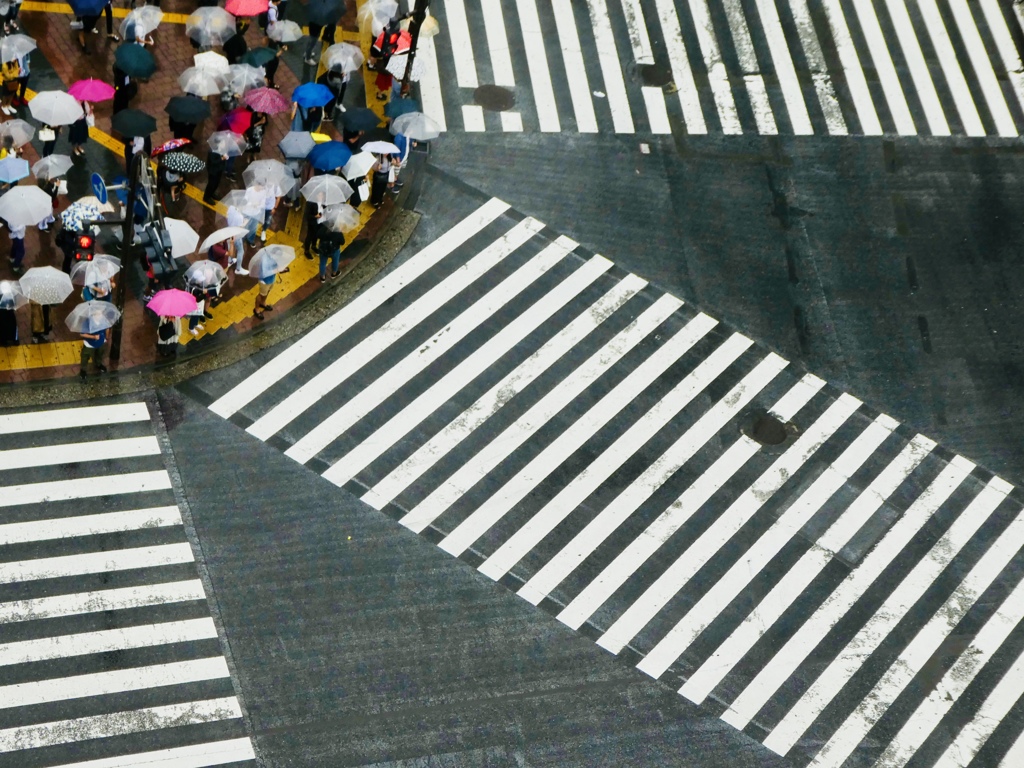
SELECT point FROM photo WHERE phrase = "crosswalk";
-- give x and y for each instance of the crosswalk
(846, 588)
(797, 67)
(108, 654)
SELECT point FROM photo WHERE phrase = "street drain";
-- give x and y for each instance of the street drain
(655, 75)
(494, 98)
(768, 430)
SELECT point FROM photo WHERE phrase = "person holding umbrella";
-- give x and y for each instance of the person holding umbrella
(337, 82)
(216, 163)
(91, 320)
(78, 133)
(329, 244)
(124, 89)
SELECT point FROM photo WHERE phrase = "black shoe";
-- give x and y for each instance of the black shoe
(102, 368)
(335, 273)
(82, 374)
(268, 308)
(208, 315)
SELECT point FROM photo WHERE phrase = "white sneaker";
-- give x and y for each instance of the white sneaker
(263, 235)
(231, 262)
(341, 108)
(194, 331)
(240, 271)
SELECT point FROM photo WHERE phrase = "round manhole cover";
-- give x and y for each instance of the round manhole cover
(494, 98)
(768, 430)
(654, 75)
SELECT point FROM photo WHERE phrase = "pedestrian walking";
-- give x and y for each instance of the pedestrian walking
(78, 133)
(108, 12)
(337, 82)
(254, 136)
(54, 188)
(88, 25)
(10, 72)
(8, 328)
(310, 218)
(216, 163)
(92, 349)
(180, 130)
(124, 89)
(135, 145)
(380, 181)
(48, 135)
(41, 325)
(17, 235)
(271, 198)
(318, 32)
(329, 247)
(11, 17)
(265, 286)
(24, 71)
(168, 331)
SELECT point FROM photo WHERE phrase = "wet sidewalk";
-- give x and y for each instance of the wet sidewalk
(59, 62)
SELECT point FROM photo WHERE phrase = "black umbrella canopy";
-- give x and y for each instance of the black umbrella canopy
(259, 57)
(135, 60)
(325, 12)
(360, 119)
(182, 162)
(133, 122)
(187, 109)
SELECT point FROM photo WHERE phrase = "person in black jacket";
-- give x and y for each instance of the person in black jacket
(215, 165)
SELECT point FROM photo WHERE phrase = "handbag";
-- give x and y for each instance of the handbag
(47, 134)
(364, 191)
(165, 331)
(90, 120)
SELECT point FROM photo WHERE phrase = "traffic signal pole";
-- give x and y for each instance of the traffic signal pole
(127, 249)
(419, 14)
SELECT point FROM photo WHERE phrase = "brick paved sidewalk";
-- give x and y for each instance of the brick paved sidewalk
(57, 64)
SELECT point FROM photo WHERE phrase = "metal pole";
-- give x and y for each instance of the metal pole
(127, 249)
(419, 14)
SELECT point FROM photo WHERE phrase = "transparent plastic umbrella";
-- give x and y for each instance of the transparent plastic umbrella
(184, 239)
(326, 190)
(19, 130)
(141, 22)
(210, 26)
(102, 267)
(295, 144)
(212, 61)
(52, 166)
(340, 218)
(270, 260)
(359, 165)
(205, 274)
(222, 234)
(244, 77)
(377, 13)
(268, 173)
(46, 285)
(15, 46)
(246, 205)
(25, 206)
(227, 143)
(11, 295)
(200, 81)
(55, 108)
(344, 57)
(92, 316)
(416, 126)
(284, 32)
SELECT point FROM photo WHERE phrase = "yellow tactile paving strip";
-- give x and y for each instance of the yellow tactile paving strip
(238, 307)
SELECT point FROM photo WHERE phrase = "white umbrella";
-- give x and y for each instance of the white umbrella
(222, 234)
(210, 26)
(343, 56)
(270, 260)
(15, 46)
(92, 316)
(416, 126)
(359, 165)
(55, 108)
(11, 296)
(140, 22)
(243, 77)
(25, 206)
(227, 143)
(100, 268)
(381, 148)
(268, 173)
(205, 274)
(52, 166)
(212, 62)
(326, 190)
(200, 81)
(284, 32)
(378, 13)
(46, 285)
(19, 130)
(92, 200)
(341, 218)
(184, 239)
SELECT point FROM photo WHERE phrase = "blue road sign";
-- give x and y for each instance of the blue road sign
(99, 188)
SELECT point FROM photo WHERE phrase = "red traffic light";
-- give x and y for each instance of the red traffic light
(84, 241)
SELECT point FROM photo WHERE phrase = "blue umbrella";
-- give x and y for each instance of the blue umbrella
(312, 95)
(399, 107)
(88, 7)
(13, 169)
(329, 155)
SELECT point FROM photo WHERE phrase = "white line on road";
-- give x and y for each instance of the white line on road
(89, 525)
(84, 487)
(73, 418)
(193, 756)
(69, 453)
(94, 562)
(101, 600)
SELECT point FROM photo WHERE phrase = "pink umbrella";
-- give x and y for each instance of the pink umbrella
(91, 90)
(246, 7)
(267, 100)
(172, 303)
(170, 145)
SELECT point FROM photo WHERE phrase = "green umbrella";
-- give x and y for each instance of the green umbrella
(135, 60)
(259, 57)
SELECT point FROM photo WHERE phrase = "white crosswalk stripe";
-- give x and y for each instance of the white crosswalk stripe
(802, 67)
(96, 569)
(628, 463)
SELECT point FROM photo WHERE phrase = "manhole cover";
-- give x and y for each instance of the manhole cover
(768, 430)
(494, 98)
(654, 75)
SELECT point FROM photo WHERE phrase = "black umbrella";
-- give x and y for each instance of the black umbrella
(360, 119)
(399, 107)
(182, 162)
(325, 12)
(135, 60)
(187, 109)
(133, 122)
(259, 57)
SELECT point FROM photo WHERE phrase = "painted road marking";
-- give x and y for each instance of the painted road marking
(102, 600)
(65, 418)
(89, 525)
(70, 453)
(192, 756)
